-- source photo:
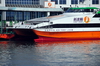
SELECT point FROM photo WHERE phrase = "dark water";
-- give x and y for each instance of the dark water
(69, 53)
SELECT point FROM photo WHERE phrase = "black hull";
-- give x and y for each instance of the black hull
(25, 33)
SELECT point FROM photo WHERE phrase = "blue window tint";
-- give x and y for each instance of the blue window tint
(56, 1)
(62, 1)
(74, 1)
(22, 16)
(81, 0)
(27, 2)
(95, 1)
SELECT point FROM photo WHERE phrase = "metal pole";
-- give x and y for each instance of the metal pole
(38, 14)
(1, 27)
(27, 15)
(3, 18)
(1, 24)
(15, 18)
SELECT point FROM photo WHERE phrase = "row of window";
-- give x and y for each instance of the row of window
(22, 16)
(37, 1)
(75, 1)
(22, 2)
(85, 25)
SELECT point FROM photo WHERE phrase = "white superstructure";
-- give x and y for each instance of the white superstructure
(73, 18)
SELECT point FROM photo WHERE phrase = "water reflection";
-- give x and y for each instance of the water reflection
(69, 53)
(72, 53)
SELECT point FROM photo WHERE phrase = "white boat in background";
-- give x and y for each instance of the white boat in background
(75, 23)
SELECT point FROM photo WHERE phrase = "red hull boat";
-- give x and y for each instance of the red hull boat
(7, 36)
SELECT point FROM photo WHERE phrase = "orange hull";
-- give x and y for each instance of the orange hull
(77, 35)
(6, 36)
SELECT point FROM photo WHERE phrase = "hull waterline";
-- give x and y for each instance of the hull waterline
(49, 39)
(63, 36)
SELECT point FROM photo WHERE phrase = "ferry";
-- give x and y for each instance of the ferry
(75, 23)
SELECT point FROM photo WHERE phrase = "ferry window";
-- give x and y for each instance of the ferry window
(80, 10)
(73, 10)
(87, 10)
(96, 15)
(70, 10)
(92, 10)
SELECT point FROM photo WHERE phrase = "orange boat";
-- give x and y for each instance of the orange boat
(7, 36)
(71, 25)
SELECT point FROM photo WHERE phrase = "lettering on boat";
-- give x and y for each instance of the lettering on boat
(58, 30)
(78, 20)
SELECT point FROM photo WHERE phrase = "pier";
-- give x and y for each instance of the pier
(11, 15)
(5, 32)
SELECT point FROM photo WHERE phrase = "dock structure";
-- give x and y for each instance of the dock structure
(11, 15)
(4, 28)
(5, 33)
